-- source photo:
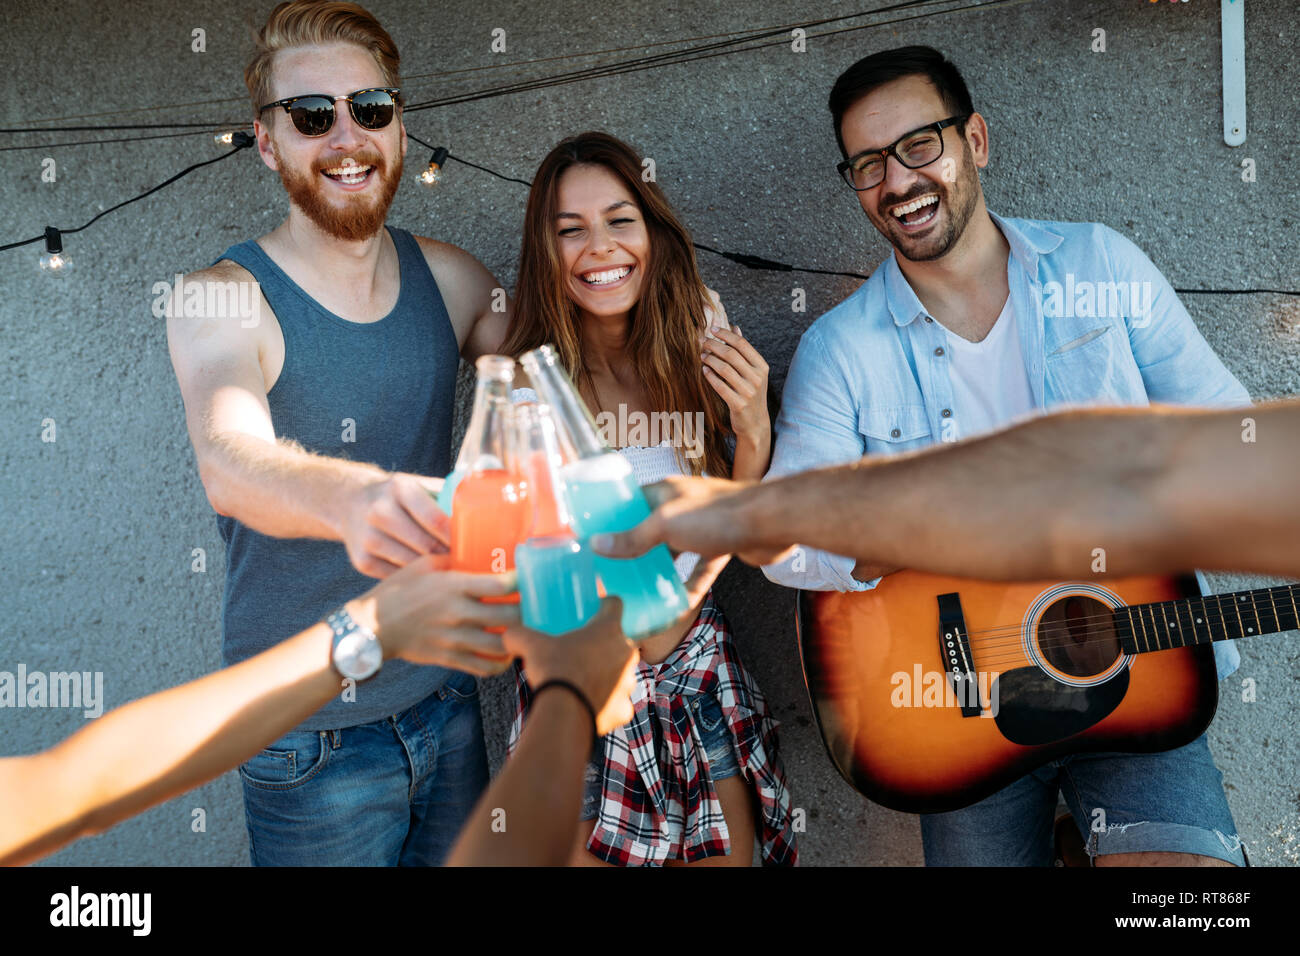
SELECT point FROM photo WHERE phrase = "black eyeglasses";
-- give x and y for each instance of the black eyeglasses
(313, 113)
(920, 147)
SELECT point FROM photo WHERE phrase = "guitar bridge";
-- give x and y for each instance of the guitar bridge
(955, 652)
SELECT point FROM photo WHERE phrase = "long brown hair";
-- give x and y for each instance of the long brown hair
(663, 342)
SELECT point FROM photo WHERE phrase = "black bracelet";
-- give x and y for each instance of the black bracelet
(555, 682)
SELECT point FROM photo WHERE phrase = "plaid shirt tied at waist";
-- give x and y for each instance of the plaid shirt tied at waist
(658, 802)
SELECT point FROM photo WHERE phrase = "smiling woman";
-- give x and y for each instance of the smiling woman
(601, 242)
(607, 276)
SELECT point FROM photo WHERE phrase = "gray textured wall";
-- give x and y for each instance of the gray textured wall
(95, 546)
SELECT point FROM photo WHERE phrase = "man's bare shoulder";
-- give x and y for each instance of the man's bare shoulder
(226, 270)
(452, 259)
(468, 289)
(222, 301)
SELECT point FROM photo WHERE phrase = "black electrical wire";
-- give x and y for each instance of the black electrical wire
(100, 142)
(759, 263)
(706, 51)
(439, 75)
(636, 64)
(244, 140)
(241, 141)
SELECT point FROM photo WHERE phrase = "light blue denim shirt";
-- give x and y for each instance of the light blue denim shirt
(1098, 324)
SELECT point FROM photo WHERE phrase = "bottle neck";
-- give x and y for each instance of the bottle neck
(573, 421)
(485, 435)
(549, 516)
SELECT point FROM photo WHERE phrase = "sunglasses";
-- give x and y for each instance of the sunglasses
(313, 113)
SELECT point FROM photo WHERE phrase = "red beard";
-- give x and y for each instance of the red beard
(361, 217)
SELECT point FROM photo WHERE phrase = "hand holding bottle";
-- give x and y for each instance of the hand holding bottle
(598, 659)
(392, 521)
(428, 614)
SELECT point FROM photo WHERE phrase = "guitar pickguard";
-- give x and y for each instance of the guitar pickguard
(1033, 709)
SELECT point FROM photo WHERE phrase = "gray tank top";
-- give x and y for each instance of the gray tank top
(380, 392)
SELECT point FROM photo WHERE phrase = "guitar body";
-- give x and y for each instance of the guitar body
(1051, 679)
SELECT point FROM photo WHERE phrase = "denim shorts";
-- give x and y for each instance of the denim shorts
(1169, 802)
(719, 752)
(394, 792)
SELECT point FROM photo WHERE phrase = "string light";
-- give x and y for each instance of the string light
(434, 174)
(230, 137)
(54, 262)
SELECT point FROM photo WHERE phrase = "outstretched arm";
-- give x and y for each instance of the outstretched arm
(1158, 490)
(538, 792)
(529, 816)
(274, 485)
(162, 745)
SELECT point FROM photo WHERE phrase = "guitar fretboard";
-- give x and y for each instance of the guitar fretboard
(1214, 617)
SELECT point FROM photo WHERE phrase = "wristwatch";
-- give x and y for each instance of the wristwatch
(356, 652)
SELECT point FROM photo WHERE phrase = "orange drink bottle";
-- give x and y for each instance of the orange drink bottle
(496, 373)
(490, 503)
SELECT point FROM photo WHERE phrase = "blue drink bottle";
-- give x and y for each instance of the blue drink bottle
(557, 573)
(496, 373)
(603, 496)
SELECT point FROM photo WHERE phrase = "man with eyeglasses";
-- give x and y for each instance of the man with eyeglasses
(314, 420)
(973, 322)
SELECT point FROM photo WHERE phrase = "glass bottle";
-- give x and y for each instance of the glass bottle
(603, 496)
(490, 501)
(496, 374)
(557, 573)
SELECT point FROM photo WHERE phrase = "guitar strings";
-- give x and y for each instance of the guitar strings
(1012, 639)
(1263, 601)
(1001, 650)
(1012, 634)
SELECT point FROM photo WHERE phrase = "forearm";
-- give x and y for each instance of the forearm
(280, 489)
(1033, 501)
(1229, 488)
(160, 746)
(753, 454)
(537, 795)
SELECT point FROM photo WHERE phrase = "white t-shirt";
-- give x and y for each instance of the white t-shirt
(990, 386)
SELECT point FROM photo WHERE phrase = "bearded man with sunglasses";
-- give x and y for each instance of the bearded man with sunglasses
(977, 320)
(314, 422)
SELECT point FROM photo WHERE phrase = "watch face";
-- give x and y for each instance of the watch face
(358, 655)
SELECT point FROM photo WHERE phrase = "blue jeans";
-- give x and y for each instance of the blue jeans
(1171, 802)
(390, 793)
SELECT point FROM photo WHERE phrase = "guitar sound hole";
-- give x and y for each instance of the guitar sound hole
(1077, 636)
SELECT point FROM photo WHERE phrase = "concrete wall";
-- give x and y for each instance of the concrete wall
(99, 526)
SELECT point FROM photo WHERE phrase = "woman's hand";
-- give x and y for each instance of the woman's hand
(738, 373)
(715, 316)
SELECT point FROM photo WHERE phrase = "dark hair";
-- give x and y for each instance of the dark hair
(888, 65)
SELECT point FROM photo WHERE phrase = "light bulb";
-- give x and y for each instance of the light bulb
(54, 262)
(434, 174)
(236, 139)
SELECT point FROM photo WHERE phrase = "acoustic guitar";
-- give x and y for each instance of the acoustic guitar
(932, 692)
